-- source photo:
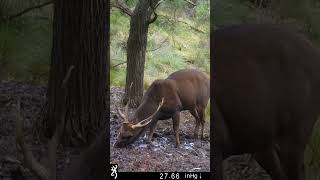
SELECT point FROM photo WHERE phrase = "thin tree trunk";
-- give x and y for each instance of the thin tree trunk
(137, 43)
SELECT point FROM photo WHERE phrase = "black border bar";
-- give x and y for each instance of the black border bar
(163, 175)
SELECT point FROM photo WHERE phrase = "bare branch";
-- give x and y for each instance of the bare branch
(123, 7)
(190, 2)
(124, 62)
(10, 17)
(164, 41)
(152, 20)
(183, 22)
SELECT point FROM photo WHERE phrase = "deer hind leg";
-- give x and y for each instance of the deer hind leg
(195, 114)
(176, 120)
(201, 114)
(269, 160)
(152, 130)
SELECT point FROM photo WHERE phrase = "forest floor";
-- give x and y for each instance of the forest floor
(161, 155)
(32, 101)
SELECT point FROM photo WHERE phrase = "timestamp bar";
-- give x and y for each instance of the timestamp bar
(164, 175)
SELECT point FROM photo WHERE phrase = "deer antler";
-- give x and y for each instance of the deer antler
(125, 116)
(120, 113)
(30, 160)
(149, 119)
(42, 172)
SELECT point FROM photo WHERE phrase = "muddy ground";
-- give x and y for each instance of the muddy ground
(161, 155)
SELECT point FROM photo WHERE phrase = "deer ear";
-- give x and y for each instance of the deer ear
(127, 125)
(157, 83)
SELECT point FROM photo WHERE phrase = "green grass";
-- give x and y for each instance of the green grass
(171, 46)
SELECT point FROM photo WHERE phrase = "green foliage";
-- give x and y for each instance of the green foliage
(175, 41)
(25, 43)
(176, 4)
(27, 53)
(203, 11)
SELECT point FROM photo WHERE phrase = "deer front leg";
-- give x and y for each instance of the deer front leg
(176, 119)
(152, 129)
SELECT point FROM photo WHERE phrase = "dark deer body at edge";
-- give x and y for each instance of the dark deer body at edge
(183, 90)
(266, 97)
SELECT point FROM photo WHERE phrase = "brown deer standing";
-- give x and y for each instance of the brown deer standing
(266, 97)
(187, 89)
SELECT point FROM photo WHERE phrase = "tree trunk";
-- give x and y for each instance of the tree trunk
(80, 39)
(136, 51)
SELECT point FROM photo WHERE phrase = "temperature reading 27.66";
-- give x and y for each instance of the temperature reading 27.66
(169, 176)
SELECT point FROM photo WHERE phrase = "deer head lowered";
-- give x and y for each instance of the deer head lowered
(129, 131)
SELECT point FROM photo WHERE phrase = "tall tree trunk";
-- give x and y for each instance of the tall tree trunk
(80, 39)
(136, 50)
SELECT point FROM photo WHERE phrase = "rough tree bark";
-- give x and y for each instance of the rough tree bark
(141, 17)
(80, 39)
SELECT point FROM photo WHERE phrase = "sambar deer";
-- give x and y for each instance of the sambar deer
(266, 97)
(187, 89)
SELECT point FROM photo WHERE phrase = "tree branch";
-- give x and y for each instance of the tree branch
(152, 20)
(123, 7)
(164, 41)
(10, 17)
(183, 22)
(119, 64)
(190, 2)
